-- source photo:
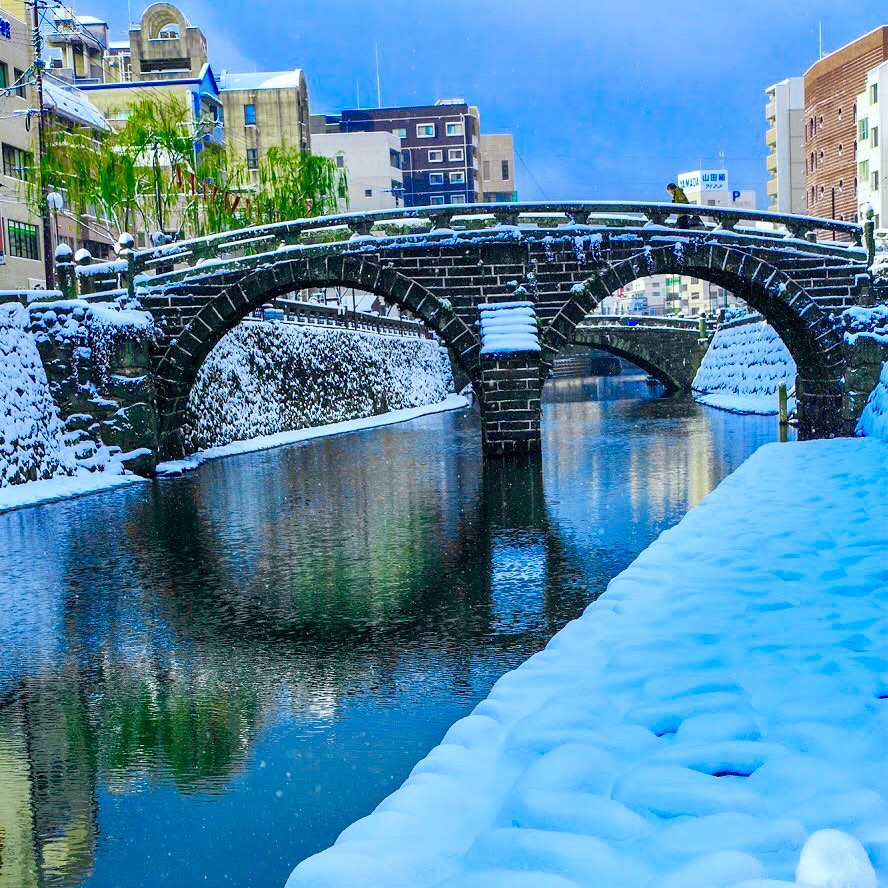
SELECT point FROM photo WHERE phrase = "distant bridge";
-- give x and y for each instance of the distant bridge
(440, 263)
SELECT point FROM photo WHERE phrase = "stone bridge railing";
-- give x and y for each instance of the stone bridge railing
(80, 276)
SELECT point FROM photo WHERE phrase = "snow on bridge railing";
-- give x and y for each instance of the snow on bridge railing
(699, 325)
(80, 273)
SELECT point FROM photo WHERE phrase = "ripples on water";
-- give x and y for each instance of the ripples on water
(210, 677)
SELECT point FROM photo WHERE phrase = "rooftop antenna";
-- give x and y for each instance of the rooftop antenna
(378, 84)
(358, 92)
(820, 32)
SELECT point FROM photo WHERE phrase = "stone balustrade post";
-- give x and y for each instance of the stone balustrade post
(66, 273)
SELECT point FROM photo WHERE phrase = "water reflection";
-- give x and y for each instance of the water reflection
(210, 677)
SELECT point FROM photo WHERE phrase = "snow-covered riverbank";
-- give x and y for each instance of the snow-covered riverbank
(705, 720)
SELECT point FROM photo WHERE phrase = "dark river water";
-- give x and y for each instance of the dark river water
(205, 679)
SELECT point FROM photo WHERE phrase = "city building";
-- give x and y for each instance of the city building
(785, 139)
(21, 233)
(439, 147)
(497, 154)
(80, 49)
(832, 86)
(263, 111)
(872, 154)
(372, 162)
(167, 58)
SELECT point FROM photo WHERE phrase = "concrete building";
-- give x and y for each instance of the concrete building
(372, 162)
(21, 233)
(497, 164)
(265, 110)
(439, 147)
(80, 48)
(832, 86)
(872, 153)
(165, 46)
(785, 139)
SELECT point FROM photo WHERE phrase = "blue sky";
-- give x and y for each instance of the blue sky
(606, 100)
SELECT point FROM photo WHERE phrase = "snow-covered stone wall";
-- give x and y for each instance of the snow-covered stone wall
(264, 378)
(32, 446)
(743, 367)
(874, 421)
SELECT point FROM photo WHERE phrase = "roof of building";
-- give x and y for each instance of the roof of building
(262, 80)
(90, 20)
(69, 102)
(118, 45)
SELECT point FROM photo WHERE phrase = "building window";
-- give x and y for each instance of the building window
(874, 137)
(436, 155)
(457, 177)
(863, 171)
(841, 185)
(19, 78)
(16, 162)
(820, 120)
(505, 170)
(454, 129)
(249, 115)
(4, 75)
(841, 149)
(487, 169)
(812, 161)
(395, 159)
(368, 192)
(24, 240)
(169, 32)
(436, 178)
(425, 130)
(400, 132)
(840, 114)
(875, 184)
(874, 93)
(456, 154)
(436, 199)
(457, 198)
(252, 158)
(405, 159)
(863, 129)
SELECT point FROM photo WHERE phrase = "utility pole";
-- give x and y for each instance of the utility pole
(48, 259)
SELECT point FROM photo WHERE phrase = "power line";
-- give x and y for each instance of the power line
(532, 176)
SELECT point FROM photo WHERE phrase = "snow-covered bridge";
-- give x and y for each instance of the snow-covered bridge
(443, 263)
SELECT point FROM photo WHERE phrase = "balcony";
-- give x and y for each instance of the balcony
(771, 162)
(772, 187)
(771, 112)
(771, 136)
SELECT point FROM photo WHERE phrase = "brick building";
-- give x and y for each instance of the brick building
(832, 86)
(439, 147)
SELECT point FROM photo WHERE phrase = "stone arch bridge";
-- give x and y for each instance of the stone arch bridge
(442, 263)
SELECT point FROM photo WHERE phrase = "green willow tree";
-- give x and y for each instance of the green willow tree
(148, 176)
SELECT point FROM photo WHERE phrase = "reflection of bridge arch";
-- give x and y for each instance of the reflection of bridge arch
(566, 258)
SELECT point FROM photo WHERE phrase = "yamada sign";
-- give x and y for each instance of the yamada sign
(704, 180)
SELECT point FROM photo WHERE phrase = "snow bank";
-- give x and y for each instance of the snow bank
(267, 378)
(874, 420)
(741, 370)
(508, 327)
(717, 707)
(31, 435)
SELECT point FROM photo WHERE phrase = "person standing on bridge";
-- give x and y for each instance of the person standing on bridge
(676, 192)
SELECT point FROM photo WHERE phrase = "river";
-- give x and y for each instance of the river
(205, 679)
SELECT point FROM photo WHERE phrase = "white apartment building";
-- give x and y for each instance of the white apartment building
(785, 139)
(872, 155)
(372, 161)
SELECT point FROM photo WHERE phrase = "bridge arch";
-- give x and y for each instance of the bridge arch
(184, 355)
(807, 331)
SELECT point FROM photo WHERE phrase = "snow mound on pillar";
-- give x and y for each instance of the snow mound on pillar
(743, 368)
(874, 419)
(508, 327)
(31, 439)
